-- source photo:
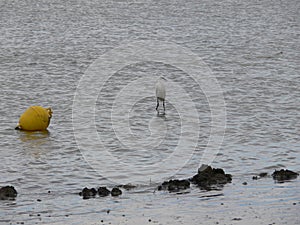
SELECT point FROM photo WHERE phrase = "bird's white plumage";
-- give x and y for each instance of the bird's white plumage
(160, 89)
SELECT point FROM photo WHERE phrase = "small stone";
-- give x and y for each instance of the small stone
(103, 191)
(108, 211)
(254, 177)
(264, 174)
(88, 193)
(237, 219)
(39, 200)
(245, 183)
(149, 220)
(116, 191)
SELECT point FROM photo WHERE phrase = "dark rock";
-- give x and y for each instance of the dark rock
(255, 177)
(209, 177)
(174, 185)
(103, 191)
(283, 175)
(8, 193)
(88, 193)
(245, 183)
(264, 174)
(116, 191)
(237, 219)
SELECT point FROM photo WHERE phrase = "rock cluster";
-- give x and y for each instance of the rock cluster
(207, 178)
(87, 193)
(116, 191)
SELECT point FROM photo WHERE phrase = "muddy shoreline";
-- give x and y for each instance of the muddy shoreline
(243, 200)
(207, 178)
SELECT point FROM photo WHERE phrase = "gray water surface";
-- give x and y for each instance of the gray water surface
(251, 47)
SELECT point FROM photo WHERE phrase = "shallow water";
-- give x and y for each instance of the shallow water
(251, 48)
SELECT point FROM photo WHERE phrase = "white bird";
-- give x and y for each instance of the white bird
(160, 92)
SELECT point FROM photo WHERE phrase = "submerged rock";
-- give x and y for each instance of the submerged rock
(103, 191)
(87, 193)
(116, 191)
(282, 175)
(261, 175)
(127, 186)
(8, 193)
(174, 185)
(208, 177)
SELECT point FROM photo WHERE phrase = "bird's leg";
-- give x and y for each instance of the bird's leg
(157, 105)
(164, 106)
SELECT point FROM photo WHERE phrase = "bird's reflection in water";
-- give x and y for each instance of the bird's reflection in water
(161, 115)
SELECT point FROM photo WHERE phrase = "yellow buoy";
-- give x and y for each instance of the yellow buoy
(35, 118)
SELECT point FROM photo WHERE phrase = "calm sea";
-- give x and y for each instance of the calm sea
(233, 90)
